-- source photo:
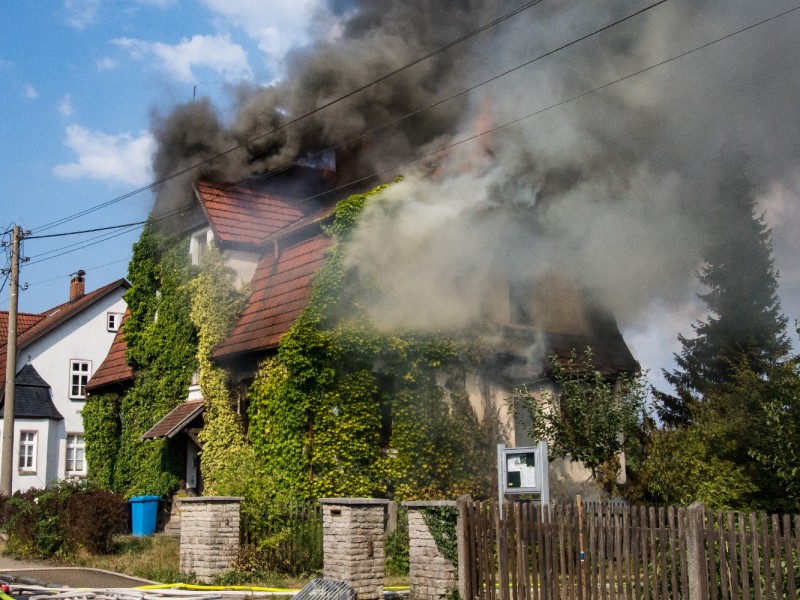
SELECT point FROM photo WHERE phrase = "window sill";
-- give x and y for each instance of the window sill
(26, 473)
(78, 398)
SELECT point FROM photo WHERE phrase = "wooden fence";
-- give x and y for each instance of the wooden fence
(617, 552)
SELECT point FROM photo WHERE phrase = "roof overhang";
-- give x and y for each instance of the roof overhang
(175, 421)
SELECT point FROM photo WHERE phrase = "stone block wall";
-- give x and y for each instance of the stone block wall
(353, 543)
(432, 575)
(209, 535)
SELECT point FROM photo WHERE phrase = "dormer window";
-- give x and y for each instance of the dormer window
(198, 245)
(113, 321)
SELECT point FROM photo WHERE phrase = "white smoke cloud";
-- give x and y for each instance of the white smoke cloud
(275, 30)
(31, 93)
(65, 108)
(121, 158)
(215, 52)
(81, 13)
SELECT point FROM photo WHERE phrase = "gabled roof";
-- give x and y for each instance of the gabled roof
(240, 215)
(39, 325)
(113, 369)
(178, 418)
(281, 290)
(32, 397)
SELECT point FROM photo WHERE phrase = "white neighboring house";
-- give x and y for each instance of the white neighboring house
(58, 351)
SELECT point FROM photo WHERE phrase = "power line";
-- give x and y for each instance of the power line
(292, 121)
(52, 235)
(441, 101)
(557, 104)
(91, 268)
(508, 123)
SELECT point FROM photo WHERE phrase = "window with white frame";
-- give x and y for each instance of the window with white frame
(198, 244)
(113, 321)
(76, 465)
(79, 372)
(27, 451)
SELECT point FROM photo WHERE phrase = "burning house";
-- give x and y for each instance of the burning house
(544, 205)
(273, 237)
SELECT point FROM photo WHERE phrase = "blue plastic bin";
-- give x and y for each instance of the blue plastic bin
(144, 510)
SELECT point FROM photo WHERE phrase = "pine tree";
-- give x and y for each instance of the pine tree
(745, 321)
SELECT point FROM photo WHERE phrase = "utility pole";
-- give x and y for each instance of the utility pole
(11, 369)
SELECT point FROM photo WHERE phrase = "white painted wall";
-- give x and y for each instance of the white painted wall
(83, 337)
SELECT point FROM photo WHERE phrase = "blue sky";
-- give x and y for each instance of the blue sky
(80, 80)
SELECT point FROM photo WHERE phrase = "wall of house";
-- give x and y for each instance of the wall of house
(45, 456)
(567, 478)
(243, 263)
(83, 337)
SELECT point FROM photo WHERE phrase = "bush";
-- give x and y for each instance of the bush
(397, 561)
(92, 518)
(61, 519)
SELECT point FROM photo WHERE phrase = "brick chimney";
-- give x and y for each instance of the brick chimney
(77, 286)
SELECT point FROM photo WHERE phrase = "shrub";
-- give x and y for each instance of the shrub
(92, 518)
(397, 561)
(59, 520)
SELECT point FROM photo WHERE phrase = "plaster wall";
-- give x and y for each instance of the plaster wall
(83, 337)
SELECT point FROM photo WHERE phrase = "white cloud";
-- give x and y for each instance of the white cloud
(81, 13)
(5, 64)
(276, 30)
(65, 108)
(115, 158)
(215, 52)
(105, 63)
(31, 93)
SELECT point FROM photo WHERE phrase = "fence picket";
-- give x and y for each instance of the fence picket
(767, 557)
(791, 586)
(733, 577)
(711, 551)
(723, 558)
(776, 553)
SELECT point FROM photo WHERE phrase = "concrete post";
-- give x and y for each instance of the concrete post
(432, 575)
(209, 534)
(352, 542)
(696, 564)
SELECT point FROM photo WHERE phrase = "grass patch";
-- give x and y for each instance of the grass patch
(156, 558)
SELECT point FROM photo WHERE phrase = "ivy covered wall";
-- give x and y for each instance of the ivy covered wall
(346, 409)
(162, 348)
(341, 409)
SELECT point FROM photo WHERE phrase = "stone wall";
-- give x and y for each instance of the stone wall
(209, 535)
(353, 543)
(432, 575)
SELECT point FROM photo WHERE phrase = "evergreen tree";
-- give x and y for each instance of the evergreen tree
(745, 322)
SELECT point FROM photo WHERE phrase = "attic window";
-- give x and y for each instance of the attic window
(198, 245)
(113, 321)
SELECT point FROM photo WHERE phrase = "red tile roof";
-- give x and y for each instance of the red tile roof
(113, 369)
(281, 290)
(178, 418)
(244, 216)
(24, 322)
(38, 325)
